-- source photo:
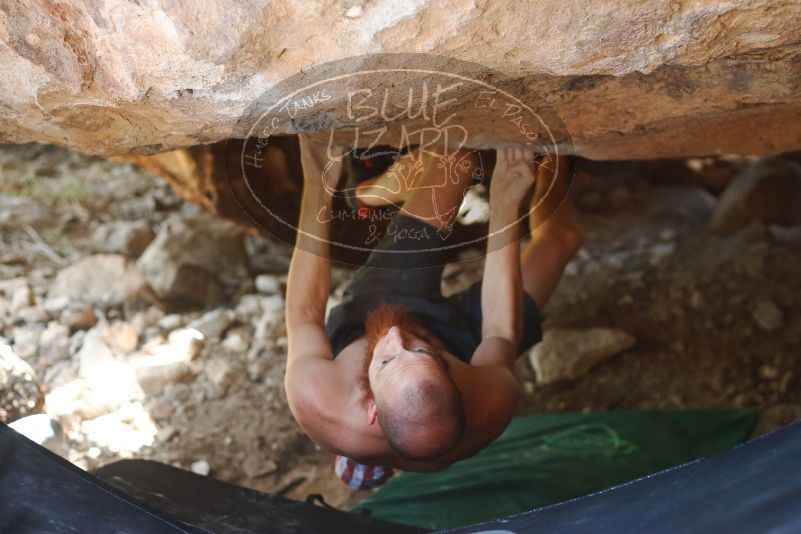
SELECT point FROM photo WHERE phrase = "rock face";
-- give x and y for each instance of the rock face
(629, 80)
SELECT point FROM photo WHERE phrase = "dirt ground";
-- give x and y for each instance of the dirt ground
(649, 266)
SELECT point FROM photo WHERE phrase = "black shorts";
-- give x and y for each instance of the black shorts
(405, 269)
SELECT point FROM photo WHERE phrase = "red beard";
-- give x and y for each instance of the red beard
(380, 320)
(376, 325)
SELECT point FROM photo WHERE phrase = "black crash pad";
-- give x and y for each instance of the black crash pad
(41, 492)
(753, 488)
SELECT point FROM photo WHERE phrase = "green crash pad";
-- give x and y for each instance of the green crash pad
(546, 459)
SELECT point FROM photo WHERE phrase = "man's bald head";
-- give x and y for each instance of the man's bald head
(423, 420)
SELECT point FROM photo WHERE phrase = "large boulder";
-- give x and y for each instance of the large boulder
(630, 80)
(193, 257)
(101, 280)
(567, 354)
(767, 191)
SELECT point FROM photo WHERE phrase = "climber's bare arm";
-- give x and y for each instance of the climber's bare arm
(309, 279)
(308, 285)
(501, 292)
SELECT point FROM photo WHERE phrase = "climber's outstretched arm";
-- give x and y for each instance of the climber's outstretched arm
(501, 291)
(309, 281)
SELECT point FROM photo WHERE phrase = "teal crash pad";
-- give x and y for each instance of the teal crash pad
(546, 459)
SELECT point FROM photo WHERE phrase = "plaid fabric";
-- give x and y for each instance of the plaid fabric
(359, 476)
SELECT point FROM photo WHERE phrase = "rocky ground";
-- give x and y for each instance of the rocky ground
(655, 312)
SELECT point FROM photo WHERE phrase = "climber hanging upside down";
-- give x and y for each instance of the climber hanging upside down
(400, 376)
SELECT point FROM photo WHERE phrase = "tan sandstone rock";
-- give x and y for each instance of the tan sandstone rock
(629, 79)
(567, 353)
